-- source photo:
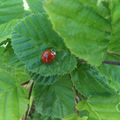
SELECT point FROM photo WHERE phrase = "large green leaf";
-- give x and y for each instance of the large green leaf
(84, 25)
(88, 81)
(112, 72)
(114, 45)
(56, 100)
(101, 107)
(10, 12)
(6, 29)
(10, 9)
(32, 37)
(13, 98)
(10, 63)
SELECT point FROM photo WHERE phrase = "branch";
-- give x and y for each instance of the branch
(111, 62)
(29, 96)
(104, 62)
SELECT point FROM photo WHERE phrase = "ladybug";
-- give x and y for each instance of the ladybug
(48, 56)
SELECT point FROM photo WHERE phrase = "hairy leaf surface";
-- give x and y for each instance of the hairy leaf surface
(89, 81)
(58, 98)
(32, 37)
(36, 6)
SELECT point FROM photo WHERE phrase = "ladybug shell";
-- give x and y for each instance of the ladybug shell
(48, 56)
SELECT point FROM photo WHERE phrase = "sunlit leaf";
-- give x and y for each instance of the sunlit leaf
(101, 107)
(13, 98)
(84, 26)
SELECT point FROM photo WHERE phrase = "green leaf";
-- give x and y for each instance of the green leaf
(32, 37)
(58, 98)
(11, 9)
(36, 6)
(43, 80)
(101, 107)
(10, 63)
(37, 116)
(75, 117)
(13, 98)
(112, 72)
(6, 29)
(114, 45)
(84, 26)
(88, 81)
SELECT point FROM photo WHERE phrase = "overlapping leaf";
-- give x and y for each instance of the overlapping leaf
(102, 107)
(10, 63)
(43, 80)
(58, 98)
(102, 100)
(112, 72)
(36, 6)
(84, 25)
(33, 36)
(89, 81)
(10, 12)
(13, 99)
(6, 29)
(10, 9)
(114, 45)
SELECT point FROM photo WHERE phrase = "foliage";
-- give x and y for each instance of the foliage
(83, 81)
(29, 49)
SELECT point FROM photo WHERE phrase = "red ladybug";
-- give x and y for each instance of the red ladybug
(48, 56)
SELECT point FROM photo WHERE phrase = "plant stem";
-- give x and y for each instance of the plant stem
(76, 98)
(29, 96)
(104, 62)
(111, 62)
